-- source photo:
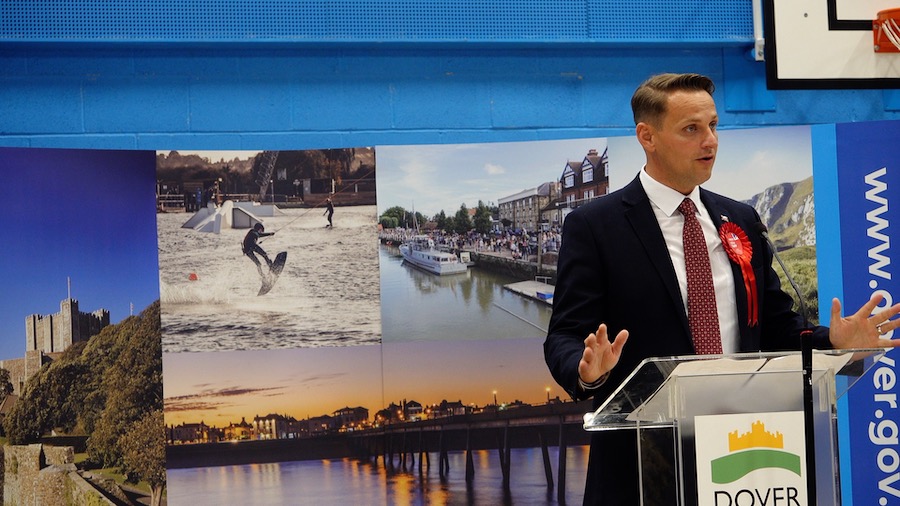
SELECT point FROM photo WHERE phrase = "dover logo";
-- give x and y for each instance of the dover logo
(751, 459)
(757, 449)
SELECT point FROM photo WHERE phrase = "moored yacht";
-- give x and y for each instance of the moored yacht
(420, 251)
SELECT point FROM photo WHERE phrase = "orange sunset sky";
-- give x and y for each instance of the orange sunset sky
(222, 387)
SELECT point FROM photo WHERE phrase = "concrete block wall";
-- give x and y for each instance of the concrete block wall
(301, 97)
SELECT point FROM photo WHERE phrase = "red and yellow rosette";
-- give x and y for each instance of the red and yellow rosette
(740, 251)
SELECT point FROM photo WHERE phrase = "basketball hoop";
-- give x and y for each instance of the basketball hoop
(886, 31)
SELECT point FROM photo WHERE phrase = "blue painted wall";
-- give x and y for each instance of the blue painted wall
(207, 93)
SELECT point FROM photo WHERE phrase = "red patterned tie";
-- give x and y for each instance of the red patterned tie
(702, 314)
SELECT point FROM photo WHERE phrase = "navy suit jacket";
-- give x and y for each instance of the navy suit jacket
(614, 268)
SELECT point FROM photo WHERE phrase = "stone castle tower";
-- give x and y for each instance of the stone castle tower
(47, 336)
(55, 333)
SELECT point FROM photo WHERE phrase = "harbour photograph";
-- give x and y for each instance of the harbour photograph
(497, 208)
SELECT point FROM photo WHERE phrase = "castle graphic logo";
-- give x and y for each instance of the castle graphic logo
(751, 458)
(748, 452)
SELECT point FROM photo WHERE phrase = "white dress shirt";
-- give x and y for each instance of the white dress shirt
(665, 202)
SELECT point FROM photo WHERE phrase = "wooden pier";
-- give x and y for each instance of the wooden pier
(397, 446)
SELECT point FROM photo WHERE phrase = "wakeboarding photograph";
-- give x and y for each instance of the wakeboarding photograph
(267, 249)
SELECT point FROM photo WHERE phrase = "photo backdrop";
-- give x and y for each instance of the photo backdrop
(348, 325)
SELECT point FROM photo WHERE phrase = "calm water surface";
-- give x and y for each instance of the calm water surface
(417, 305)
(346, 481)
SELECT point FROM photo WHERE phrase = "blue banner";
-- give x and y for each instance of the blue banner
(868, 180)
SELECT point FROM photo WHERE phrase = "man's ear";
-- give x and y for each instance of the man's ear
(645, 135)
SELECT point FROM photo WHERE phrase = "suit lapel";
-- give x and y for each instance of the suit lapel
(639, 214)
(719, 214)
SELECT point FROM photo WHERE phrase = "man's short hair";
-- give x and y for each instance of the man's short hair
(648, 104)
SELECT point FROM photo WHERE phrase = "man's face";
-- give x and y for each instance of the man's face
(682, 149)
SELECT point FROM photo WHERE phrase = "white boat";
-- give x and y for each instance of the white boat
(419, 250)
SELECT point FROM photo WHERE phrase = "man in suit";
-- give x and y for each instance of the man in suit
(622, 272)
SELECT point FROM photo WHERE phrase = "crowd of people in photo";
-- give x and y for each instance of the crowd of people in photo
(518, 244)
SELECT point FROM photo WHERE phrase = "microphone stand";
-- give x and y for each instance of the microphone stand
(806, 348)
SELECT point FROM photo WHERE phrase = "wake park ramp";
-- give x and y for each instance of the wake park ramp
(228, 215)
(259, 209)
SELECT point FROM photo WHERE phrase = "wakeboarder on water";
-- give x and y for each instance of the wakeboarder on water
(251, 246)
(329, 210)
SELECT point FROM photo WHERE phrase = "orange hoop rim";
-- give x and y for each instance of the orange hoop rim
(886, 31)
(888, 13)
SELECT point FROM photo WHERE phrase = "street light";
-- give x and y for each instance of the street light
(548, 395)
(495, 397)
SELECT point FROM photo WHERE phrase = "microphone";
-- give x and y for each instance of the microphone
(807, 370)
(764, 233)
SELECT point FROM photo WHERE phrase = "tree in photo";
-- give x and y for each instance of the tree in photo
(143, 448)
(482, 220)
(461, 221)
(132, 385)
(6, 386)
(98, 389)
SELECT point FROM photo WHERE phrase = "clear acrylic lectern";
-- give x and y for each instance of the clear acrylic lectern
(664, 400)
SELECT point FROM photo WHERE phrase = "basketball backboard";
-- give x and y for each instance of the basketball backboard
(826, 44)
